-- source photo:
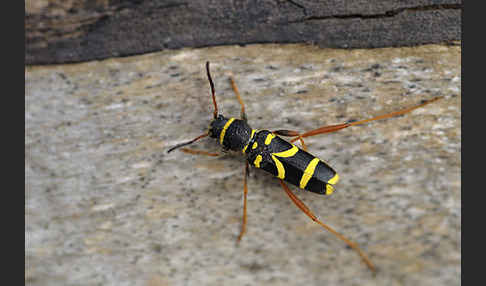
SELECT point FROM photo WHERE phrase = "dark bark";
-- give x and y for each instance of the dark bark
(62, 32)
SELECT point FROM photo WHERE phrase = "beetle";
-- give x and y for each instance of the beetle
(266, 150)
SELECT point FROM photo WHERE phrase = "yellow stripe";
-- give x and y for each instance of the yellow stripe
(251, 137)
(257, 161)
(329, 189)
(280, 167)
(255, 145)
(269, 138)
(308, 172)
(221, 136)
(252, 133)
(334, 179)
(288, 153)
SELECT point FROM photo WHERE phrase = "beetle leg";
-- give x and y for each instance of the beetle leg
(245, 193)
(307, 211)
(235, 89)
(333, 128)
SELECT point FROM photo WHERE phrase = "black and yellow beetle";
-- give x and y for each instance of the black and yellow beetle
(266, 150)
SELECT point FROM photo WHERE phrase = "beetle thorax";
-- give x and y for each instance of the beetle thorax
(231, 133)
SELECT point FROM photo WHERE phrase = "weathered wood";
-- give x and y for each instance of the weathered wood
(60, 32)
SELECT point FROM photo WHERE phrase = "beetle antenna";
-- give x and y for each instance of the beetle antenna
(187, 143)
(212, 90)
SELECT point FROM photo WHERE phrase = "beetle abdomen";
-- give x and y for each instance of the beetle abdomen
(290, 163)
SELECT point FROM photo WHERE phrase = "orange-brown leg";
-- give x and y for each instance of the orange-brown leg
(235, 89)
(333, 128)
(306, 210)
(245, 193)
(198, 152)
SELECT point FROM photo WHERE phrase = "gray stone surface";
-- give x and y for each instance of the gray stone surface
(106, 205)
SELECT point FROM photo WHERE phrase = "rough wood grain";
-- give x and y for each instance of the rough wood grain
(73, 31)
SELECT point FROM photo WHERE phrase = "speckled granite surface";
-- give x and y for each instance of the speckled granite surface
(106, 205)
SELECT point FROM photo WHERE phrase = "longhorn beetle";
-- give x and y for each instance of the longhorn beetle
(266, 150)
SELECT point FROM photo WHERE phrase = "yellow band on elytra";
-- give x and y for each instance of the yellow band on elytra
(287, 153)
(280, 167)
(329, 189)
(308, 172)
(257, 161)
(269, 138)
(334, 179)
